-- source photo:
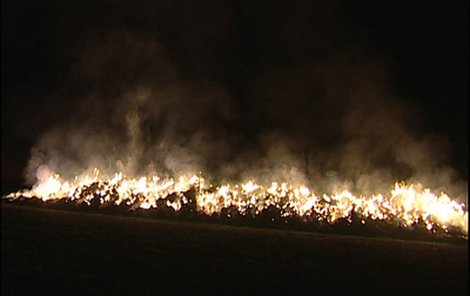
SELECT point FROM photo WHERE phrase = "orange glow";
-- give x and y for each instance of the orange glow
(407, 204)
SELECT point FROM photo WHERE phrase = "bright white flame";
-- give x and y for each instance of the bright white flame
(407, 204)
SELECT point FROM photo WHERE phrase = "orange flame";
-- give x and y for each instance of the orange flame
(407, 204)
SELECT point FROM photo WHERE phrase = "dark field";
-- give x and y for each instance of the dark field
(55, 252)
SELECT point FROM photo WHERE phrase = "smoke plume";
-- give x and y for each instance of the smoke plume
(167, 95)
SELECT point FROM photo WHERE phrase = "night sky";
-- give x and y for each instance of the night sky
(324, 80)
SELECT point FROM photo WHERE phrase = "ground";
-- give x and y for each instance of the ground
(55, 252)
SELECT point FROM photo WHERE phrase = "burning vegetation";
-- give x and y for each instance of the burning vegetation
(405, 206)
(295, 126)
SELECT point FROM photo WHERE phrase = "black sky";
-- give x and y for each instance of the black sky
(253, 50)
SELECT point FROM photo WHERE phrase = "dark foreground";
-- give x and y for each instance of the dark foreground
(54, 252)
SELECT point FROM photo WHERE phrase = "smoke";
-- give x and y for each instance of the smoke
(311, 107)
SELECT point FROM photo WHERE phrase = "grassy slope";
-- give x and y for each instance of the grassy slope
(47, 251)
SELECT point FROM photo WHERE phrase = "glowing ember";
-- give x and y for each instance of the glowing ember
(406, 205)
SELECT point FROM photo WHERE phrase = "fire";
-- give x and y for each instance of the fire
(405, 204)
